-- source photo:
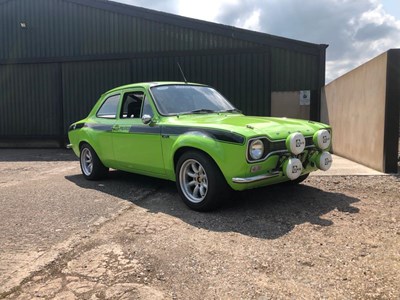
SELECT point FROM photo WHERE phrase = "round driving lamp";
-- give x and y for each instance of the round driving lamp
(292, 168)
(322, 139)
(256, 149)
(324, 161)
(295, 143)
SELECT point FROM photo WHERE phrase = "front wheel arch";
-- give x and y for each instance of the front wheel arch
(216, 188)
(179, 152)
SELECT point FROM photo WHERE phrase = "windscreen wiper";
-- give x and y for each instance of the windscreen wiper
(231, 110)
(202, 111)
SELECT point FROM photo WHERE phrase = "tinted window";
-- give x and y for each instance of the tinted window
(109, 108)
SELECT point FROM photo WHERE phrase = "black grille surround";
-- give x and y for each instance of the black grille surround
(274, 147)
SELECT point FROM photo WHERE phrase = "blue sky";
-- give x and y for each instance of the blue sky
(356, 30)
(392, 7)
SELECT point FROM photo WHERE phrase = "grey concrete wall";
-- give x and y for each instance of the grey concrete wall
(354, 105)
(287, 104)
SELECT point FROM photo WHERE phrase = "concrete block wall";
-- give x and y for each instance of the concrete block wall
(362, 107)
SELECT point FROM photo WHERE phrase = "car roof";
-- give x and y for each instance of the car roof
(147, 85)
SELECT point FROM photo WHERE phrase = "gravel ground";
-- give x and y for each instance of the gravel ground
(331, 237)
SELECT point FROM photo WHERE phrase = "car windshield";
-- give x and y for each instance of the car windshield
(189, 99)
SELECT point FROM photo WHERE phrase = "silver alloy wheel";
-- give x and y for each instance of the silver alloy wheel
(193, 181)
(87, 161)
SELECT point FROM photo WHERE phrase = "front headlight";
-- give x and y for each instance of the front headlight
(322, 139)
(256, 149)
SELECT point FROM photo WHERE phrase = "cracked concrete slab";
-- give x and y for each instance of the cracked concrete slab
(42, 213)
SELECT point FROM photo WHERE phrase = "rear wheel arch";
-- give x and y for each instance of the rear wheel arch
(81, 143)
(91, 165)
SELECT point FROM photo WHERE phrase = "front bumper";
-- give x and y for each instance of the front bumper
(256, 178)
(281, 171)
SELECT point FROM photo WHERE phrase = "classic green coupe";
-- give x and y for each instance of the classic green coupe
(189, 133)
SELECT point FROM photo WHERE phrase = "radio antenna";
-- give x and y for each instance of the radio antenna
(183, 75)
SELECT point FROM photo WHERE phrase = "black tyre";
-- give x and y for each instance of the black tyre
(200, 182)
(91, 166)
(298, 180)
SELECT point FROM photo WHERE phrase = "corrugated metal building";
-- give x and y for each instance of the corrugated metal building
(58, 56)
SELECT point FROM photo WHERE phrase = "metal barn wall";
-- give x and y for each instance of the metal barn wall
(29, 104)
(293, 71)
(57, 28)
(64, 30)
(74, 50)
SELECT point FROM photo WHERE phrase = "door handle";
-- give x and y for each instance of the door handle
(115, 127)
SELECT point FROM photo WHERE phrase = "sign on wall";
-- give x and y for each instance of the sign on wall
(305, 98)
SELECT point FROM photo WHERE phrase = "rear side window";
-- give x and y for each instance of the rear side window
(109, 108)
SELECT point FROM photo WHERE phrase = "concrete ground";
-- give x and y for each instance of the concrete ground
(342, 167)
(48, 210)
(42, 212)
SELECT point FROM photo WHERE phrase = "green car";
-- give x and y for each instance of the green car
(189, 133)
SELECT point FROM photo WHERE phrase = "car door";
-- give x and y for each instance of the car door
(137, 146)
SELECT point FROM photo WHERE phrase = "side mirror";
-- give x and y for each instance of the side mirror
(146, 119)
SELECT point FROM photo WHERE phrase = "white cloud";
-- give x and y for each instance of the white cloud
(205, 10)
(251, 22)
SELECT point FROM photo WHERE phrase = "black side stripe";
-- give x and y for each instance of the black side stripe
(217, 134)
(76, 126)
(145, 129)
(79, 125)
(220, 135)
(99, 127)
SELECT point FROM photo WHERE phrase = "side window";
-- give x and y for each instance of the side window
(132, 105)
(109, 108)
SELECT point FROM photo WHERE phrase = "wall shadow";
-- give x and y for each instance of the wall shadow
(266, 213)
(10, 155)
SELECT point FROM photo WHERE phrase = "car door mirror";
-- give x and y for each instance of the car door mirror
(146, 119)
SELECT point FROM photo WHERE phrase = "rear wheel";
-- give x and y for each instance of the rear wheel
(91, 166)
(200, 182)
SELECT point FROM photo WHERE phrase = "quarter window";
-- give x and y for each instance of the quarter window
(109, 108)
(147, 110)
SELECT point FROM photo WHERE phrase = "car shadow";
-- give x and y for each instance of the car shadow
(266, 213)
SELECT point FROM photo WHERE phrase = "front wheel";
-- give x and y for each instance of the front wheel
(200, 182)
(91, 165)
(298, 180)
